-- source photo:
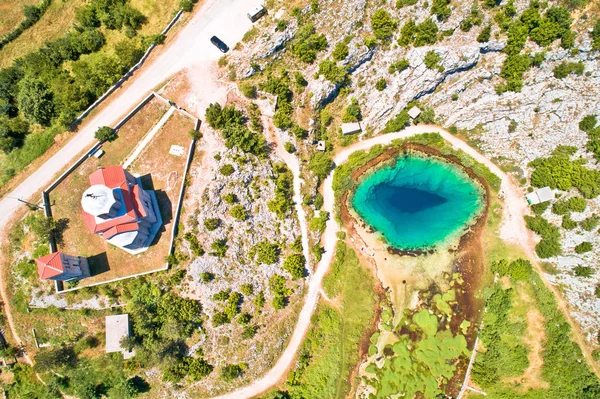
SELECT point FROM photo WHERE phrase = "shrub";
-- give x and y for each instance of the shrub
(219, 318)
(399, 66)
(403, 3)
(227, 170)
(294, 264)
(564, 69)
(422, 34)
(211, 223)
(332, 72)
(249, 332)
(266, 253)
(568, 223)
(340, 51)
(219, 248)
(383, 25)
(105, 133)
(308, 43)
(485, 34)
(244, 318)
(573, 204)
(590, 223)
(597, 293)
(588, 123)
(281, 25)
(397, 123)
(247, 289)
(248, 90)
(230, 198)
(207, 277)
(583, 247)
(440, 9)
(432, 59)
(381, 84)
(513, 69)
(550, 244)
(595, 35)
(194, 244)
(320, 164)
(238, 212)
(195, 134)
(583, 271)
(352, 112)
(289, 147)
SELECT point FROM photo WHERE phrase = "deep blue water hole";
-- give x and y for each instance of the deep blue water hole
(418, 203)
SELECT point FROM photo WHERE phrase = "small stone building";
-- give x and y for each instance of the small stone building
(117, 327)
(351, 128)
(414, 112)
(59, 266)
(541, 195)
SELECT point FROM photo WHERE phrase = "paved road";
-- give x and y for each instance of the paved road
(190, 49)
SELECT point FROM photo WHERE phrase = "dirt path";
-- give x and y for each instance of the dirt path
(513, 231)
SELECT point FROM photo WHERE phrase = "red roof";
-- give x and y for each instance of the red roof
(122, 228)
(113, 177)
(50, 265)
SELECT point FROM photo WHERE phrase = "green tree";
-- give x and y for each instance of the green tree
(36, 101)
(383, 25)
(352, 112)
(308, 43)
(231, 372)
(227, 170)
(266, 252)
(381, 84)
(441, 9)
(320, 164)
(105, 133)
(485, 34)
(340, 51)
(295, 265)
(12, 133)
(211, 223)
(238, 212)
(583, 247)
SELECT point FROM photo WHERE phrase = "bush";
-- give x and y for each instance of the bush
(211, 223)
(238, 212)
(550, 244)
(352, 112)
(440, 9)
(588, 123)
(583, 271)
(485, 34)
(219, 248)
(230, 198)
(247, 289)
(308, 43)
(568, 223)
(564, 69)
(340, 51)
(195, 134)
(583, 247)
(227, 170)
(248, 90)
(513, 69)
(422, 34)
(281, 25)
(320, 164)
(207, 277)
(105, 133)
(404, 3)
(294, 264)
(432, 59)
(595, 35)
(232, 371)
(249, 332)
(590, 223)
(399, 66)
(383, 25)
(289, 147)
(397, 123)
(332, 72)
(381, 84)
(573, 204)
(266, 253)
(194, 244)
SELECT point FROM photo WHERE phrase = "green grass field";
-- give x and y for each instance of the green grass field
(331, 347)
(11, 14)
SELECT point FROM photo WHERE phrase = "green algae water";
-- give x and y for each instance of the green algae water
(418, 202)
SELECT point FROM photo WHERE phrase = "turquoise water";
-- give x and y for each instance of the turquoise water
(418, 202)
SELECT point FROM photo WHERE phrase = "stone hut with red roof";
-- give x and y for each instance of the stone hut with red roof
(59, 266)
(117, 208)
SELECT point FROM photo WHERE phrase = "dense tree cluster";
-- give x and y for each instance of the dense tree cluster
(280, 87)
(308, 43)
(559, 171)
(419, 35)
(383, 24)
(112, 14)
(233, 126)
(550, 244)
(282, 203)
(320, 164)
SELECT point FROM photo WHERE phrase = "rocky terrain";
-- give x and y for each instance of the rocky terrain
(512, 128)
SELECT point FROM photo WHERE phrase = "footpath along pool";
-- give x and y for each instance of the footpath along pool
(418, 202)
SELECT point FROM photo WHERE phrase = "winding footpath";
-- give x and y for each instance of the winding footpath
(513, 231)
